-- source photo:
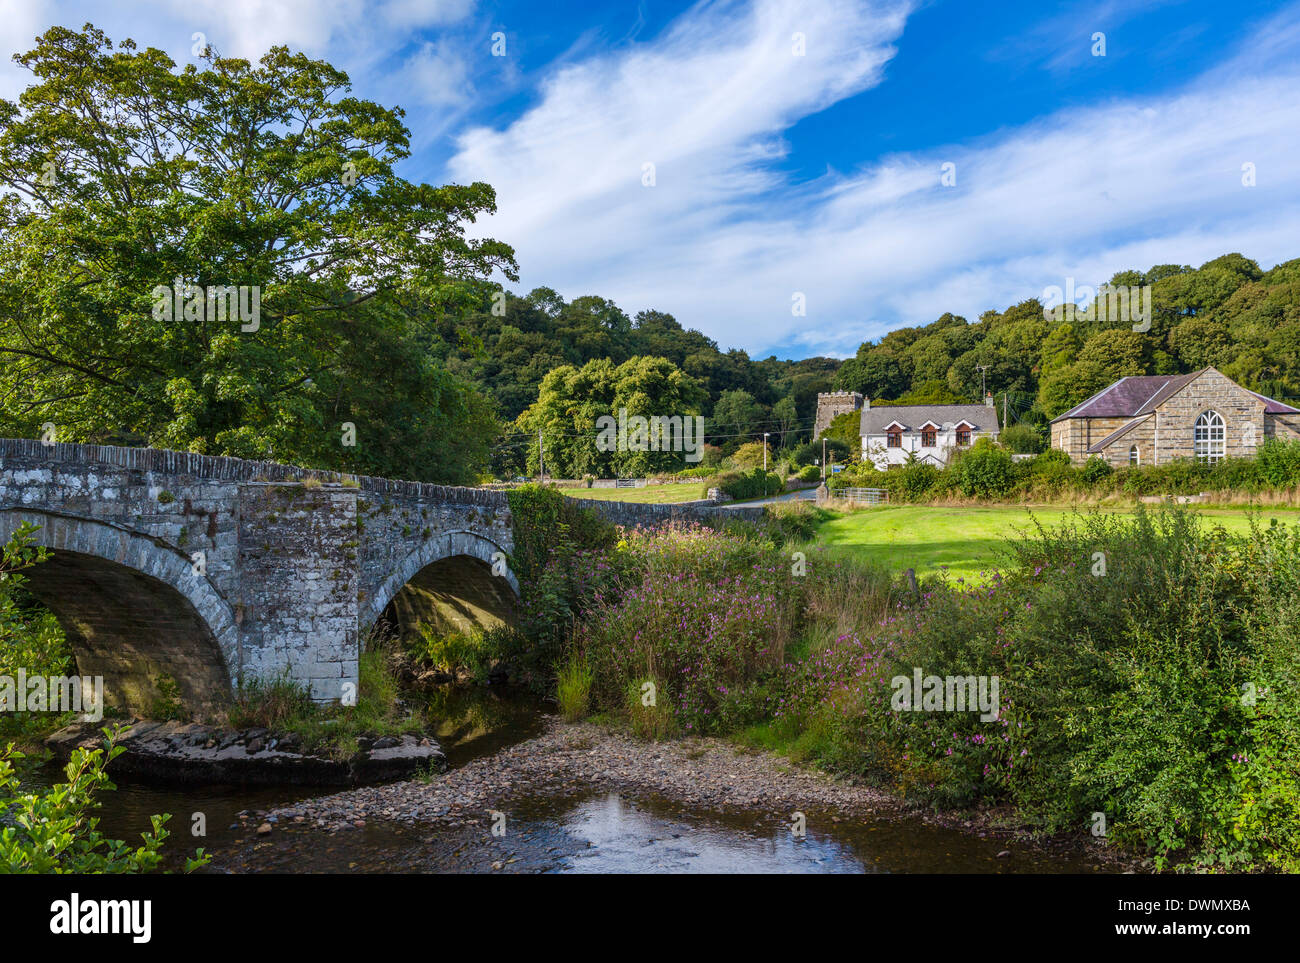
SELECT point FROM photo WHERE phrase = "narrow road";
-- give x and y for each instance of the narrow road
(806, 494)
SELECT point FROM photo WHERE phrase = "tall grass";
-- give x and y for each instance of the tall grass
(573, 687)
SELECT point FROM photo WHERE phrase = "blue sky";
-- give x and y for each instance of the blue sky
(783, 176)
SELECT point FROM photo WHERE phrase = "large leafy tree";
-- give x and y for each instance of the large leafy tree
(571, 400)
(122, 176)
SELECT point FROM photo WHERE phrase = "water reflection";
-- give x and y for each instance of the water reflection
(574, 832)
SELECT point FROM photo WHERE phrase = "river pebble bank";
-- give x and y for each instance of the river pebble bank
(574, 760)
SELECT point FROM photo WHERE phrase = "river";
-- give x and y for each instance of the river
(586, 832)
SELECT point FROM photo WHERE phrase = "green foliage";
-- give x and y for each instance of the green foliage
(1147, 671)
(167, 705)
(282, 705)
(847, 430)
(560, 561)
(985, 471)
(55, 831)
(275, 703)
(571, 401)
(30, 636)
(294, 196)
(573, 687)
(754, 454)
(810, 473)
(751, 484)
(1095, 469)
(648, 705)
(1021, 439)
(704, 615)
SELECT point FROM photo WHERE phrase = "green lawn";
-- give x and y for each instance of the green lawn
(651, 494)
(966, 540)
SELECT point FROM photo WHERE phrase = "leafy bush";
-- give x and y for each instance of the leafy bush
(1095, 469)
(1022, 439)
(1278, 463)
(984, 471)
(810, 473)
(752, 484)
(703, 614)
(751, 455)
(809, 453)
(561, 561)
(54, 831)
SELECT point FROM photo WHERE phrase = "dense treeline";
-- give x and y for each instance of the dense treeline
(509, 352)
(1228, 313)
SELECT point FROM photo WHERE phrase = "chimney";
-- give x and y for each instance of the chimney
(866, 403)
(988, 400)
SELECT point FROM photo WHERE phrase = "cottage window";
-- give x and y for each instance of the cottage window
(927, 437)
(1134, 458)
(894, 438)
(1208, 437)
(963, 436)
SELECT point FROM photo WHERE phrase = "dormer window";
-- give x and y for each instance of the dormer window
(963, 435)
(927, 437)
(894, 437)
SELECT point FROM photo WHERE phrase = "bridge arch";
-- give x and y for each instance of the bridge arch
(452, 572)
(133, 608)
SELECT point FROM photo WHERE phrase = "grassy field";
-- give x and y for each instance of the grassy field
(651, 494)
(968, 540)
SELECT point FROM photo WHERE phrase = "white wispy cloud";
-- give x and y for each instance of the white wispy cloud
(727, 235)
(724, 239)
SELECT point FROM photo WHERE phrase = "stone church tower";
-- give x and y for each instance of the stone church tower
(833, 403)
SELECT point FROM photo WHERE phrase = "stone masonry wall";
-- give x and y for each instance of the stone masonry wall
(1176, 417)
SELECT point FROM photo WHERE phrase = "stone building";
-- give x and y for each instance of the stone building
(1153, 419)
(831, 404)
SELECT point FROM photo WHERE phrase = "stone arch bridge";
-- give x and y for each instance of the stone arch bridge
(213, 570)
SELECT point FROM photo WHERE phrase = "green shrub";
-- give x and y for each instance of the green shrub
(984, 471)
(706, 614)
(1095, 469)
(55, 831)
(167, 705)
(810, 473)
(1021, 439)
(1278, 463)
(752, 484)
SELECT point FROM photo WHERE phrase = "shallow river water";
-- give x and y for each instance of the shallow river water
(595, 832)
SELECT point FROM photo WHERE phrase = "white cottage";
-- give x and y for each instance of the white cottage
(891, 434)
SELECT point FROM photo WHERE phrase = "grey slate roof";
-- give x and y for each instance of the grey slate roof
(1141, 394)
(912, 417)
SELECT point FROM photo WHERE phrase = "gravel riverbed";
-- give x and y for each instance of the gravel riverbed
(574, 760)
(571, 759)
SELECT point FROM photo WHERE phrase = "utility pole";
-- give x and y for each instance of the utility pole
(541, 458)
(823, 457)
(1004, 409)
(981, 368)
(765, 463)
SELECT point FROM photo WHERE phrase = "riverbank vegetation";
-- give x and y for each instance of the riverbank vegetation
(1152, 698)
(284, 707)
